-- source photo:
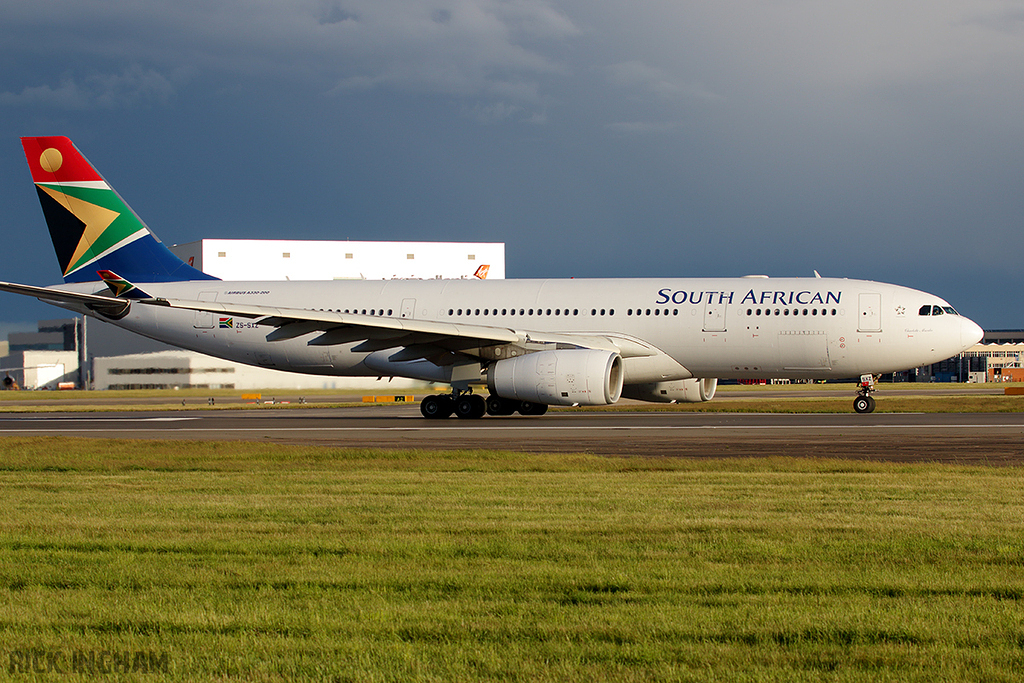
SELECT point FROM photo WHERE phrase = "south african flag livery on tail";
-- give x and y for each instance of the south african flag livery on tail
(91, 226)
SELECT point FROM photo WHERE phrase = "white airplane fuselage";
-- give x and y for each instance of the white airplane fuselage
(666, 329)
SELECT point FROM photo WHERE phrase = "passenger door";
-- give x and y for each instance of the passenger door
(204, 319)
(869, 316)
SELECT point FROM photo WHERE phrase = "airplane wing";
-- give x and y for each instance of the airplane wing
(412, 339)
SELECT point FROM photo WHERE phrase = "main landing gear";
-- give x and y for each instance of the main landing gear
(474, 406)
(864, 403)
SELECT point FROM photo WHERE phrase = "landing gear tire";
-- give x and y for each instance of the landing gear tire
(528, 408)
(436, 407)
(470, 406)
(864, 404)
(496, 405)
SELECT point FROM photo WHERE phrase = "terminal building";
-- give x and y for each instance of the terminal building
(320, 260)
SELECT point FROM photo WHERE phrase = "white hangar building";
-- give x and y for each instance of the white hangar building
(323, 260)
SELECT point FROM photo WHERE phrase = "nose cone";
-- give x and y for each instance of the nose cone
(970, 333)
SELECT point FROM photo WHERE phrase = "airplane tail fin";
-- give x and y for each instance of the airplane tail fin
(91, 227)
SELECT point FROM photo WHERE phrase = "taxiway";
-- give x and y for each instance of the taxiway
(984, 438)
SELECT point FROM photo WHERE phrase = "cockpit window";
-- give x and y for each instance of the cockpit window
(928, 309)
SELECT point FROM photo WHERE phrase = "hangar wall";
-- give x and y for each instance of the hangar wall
(342, 260)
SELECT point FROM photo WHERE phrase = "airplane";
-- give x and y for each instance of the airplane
(529, 344)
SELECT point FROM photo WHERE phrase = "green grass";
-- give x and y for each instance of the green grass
(261, 562)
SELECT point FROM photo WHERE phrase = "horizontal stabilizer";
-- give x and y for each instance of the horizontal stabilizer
(107, 305)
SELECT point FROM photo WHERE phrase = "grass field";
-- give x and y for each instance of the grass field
(260, 562)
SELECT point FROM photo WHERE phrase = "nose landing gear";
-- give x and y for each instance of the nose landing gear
(864, 403)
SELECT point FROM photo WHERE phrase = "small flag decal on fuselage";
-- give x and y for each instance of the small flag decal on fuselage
(226, 322)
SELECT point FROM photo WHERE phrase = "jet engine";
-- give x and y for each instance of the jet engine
(693, 390)
(588, 377)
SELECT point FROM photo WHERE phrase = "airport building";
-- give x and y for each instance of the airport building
(180, 369)
(320, 260)
(45, 359)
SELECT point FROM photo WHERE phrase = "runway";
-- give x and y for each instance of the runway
(984, 438)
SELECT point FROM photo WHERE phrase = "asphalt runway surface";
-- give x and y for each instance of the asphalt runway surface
(980, 438)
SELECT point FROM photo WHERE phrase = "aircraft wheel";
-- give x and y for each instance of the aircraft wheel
(528, 408)
(470, 406)
(436, 407)
(496, 405)
(864, 404)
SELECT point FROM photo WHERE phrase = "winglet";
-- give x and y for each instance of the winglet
(120, 287)
(481, 272)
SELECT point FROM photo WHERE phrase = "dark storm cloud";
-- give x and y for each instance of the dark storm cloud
(472, 47)
(870, 139)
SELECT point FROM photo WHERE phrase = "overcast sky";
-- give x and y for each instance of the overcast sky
(867, 139)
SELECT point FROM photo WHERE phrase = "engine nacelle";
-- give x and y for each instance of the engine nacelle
(693, 390)
(587, 377)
